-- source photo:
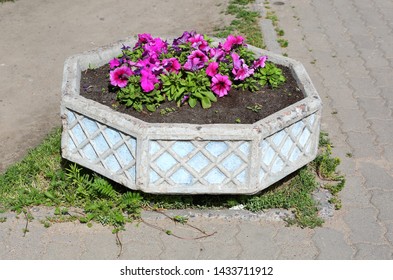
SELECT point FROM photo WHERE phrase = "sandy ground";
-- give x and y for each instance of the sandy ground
(37, 36)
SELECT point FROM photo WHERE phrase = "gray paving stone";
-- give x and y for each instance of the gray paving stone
(354, 193)
(362, 145)
(375, 108)
(224, 243)
(373, 252)
(256, 240)
(376, 177)
(354, 120)
(388, 153)
(389, 233)
(382, 75)
(332, 245)
(179, 249)
(64, 242)
(384, 130)
(19, 246)
(383, 202)
(364, 225)
(141, 242)
(296, 243)
(363, 87)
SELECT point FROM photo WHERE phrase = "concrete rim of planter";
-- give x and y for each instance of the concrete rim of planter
(141, 138)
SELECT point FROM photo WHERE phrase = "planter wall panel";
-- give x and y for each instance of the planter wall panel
(101, 147)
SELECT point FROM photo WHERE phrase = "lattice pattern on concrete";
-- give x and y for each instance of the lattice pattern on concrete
(284, 148)
(199, 162)
(101, 146)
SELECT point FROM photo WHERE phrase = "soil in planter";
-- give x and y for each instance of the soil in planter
(236, 107)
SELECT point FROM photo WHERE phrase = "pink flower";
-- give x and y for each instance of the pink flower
(171, 65)
(148, 80)
(198, 42)
(155, 47)
(119, 76)
(260, 62)
(240, 68)
(242, 72)
(216, 54)
(211, 69)
(231, 41)
(143, 39)
(221, 85)
(114, 63)
(196, 60)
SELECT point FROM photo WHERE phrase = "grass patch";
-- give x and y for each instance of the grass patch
(44, 178)
(3, 1)
(246, 23)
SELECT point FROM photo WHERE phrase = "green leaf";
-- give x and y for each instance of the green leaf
(151, 107)
(211, 96)
(192, 102)
(206, 103)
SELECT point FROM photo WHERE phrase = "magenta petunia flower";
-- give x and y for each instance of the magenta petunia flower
(143, 39)
(242, 72)
(171, 65)
(196, 60)
(260, 62)
(231, 41)
(114, 63)
(198, 42)
(217, 54)
(148, 80)
(156, 47)
(240, 68)
(221, 85)
(211, 69)
(119, 76)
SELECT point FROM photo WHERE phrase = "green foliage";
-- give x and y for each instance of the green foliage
(133, 96)
(245, 24)
(255, 108)
(270, 75)
(295, 195)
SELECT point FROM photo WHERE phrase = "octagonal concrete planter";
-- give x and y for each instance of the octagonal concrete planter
(187, 158)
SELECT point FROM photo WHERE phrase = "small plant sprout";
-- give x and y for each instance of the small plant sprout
(255, 108)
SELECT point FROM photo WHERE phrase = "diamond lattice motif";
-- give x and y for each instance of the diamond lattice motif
(101, 146)
(284, 148)
(199, 162)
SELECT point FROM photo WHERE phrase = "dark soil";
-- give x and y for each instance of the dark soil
(232, 108)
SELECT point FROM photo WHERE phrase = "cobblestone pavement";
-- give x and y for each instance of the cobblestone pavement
(346, 48)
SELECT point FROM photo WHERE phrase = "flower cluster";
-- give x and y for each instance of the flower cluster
(151, 60)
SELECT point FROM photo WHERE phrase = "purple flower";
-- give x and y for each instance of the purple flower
(211, 69)
(231, 41)
(171, 65)
(182, 39)
(221, 85)
(148, 80)
(260, 62)
(114, 63)
(119, 76)
(196, 60)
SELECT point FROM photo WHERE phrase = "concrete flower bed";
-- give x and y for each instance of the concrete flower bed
(187, 158)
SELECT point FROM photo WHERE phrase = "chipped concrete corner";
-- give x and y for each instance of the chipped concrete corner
(187, 158)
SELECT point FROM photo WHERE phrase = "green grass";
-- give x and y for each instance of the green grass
(3, 1)
(246, 23)
(44, 178)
